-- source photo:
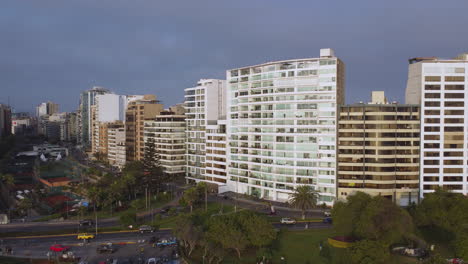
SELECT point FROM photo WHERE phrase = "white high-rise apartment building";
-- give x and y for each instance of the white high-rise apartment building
(116, 145)
(282, 126)
(216, 153)
(203, 103)
(440, 86)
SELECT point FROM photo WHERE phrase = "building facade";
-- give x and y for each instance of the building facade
(282, 126)
(378, 150)
(203, 103)
(216, 146)
(137, 112)
(5, 120)
(47, 108)
(87, 100)
(168, 133)
(440, 87)
(116, 144)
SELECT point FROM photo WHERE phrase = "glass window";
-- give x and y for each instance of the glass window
(432, 78)
(454, 78)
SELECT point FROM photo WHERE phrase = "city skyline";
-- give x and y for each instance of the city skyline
(155, 49)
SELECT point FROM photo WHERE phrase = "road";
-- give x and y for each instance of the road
(128, 244)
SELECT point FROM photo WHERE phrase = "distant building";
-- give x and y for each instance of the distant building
(87, 100)
(378, 150)
(5, 120)
(108, 108)
(47, 108)
(440, 87)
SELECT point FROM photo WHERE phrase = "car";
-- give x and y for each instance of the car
(327, 214)
(287, 221)
(105, 248)
(165, 210)
(327, 220)
(152, 261)
(146, 228)
(85, 236)
(86, 222)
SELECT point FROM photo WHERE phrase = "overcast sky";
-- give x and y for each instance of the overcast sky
(54, 49)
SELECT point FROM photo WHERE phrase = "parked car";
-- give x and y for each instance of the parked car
(85, 236)
(327, 220)
(146, 228)
(288, 221)
(106, 248)
(327, 214)
(86, 222)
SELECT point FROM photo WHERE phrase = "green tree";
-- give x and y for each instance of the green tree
(25, 205)
(258, 229)
(446, 210)
(153, 175)
(225, 231)
(127, 219)
(370, 252)
(138, 204)
(8, 180)
(303, 198)
(189, 234)
(191, 196)
(373, 218)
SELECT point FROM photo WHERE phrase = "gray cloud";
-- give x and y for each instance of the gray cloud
(53, 49)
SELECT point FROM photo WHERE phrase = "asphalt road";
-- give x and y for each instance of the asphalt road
(128, 244)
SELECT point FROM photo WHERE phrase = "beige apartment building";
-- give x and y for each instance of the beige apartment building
(378, 150)
(137, 112)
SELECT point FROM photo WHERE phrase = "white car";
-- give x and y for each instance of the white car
(151, 261)
(327, 214)
(287, 221)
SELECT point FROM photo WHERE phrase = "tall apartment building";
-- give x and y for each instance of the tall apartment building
(5, 120)
(47, 108)
(282, 126)
(378, 150)
(168, 132)
(116, 144)
(440, 86)
(203, 103)
(137, 112)
(87, 100)
(216, 146)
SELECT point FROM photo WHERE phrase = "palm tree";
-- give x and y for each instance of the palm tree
(304, 198)
(94, 194)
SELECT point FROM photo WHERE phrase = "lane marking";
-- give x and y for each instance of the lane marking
(65, 235)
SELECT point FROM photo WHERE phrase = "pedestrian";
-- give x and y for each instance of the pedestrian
(320, 246)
